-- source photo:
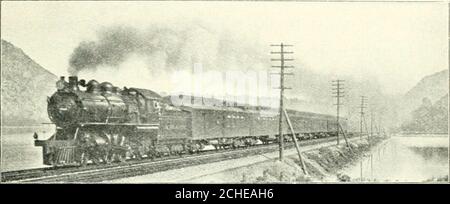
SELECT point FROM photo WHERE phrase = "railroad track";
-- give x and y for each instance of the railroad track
(105, 172)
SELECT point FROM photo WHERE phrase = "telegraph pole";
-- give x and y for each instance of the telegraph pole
(379, 124)
(371, 123)
(338, 87)
(363, 105)
(282, 59)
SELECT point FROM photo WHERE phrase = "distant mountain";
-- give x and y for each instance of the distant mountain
(25, 86)
(443, 101)
(431, 118)
(425, 106)
(432, 87)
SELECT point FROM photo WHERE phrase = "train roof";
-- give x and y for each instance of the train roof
(217, 108)
(187, 100)
(203, 103)
(253, 109)
(309, 114)
(148, 94)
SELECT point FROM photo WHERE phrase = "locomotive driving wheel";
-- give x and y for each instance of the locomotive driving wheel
(117, 144)
(105, 156)
(94, 155)
(117, 154)
(93, 146)
(82, 155)
(84, 158)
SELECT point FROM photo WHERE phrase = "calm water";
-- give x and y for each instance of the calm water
(404, 159)
(18, 150)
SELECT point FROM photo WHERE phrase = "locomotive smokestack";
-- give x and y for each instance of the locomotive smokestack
(73, 83)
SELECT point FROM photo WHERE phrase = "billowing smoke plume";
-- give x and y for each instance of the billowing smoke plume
(172, 48)
(113, 47)
(164, 58)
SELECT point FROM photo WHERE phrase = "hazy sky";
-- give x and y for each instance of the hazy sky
(398, 43)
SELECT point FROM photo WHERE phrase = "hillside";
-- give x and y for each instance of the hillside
(443, 101)
(432, 118)
(25, 86)
(432, 87)
(426, 105)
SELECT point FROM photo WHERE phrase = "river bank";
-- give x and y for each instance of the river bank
(322, 165)
(404, 159)
(397, 159)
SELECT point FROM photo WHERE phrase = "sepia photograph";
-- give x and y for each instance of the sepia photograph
(224, 92)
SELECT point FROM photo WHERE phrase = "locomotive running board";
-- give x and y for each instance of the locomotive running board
(147, 127)
(123, 124)
(54, 143)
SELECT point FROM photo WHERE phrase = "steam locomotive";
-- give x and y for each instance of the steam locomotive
(103, 123)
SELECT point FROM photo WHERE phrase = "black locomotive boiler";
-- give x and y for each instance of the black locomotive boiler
(99, 122)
